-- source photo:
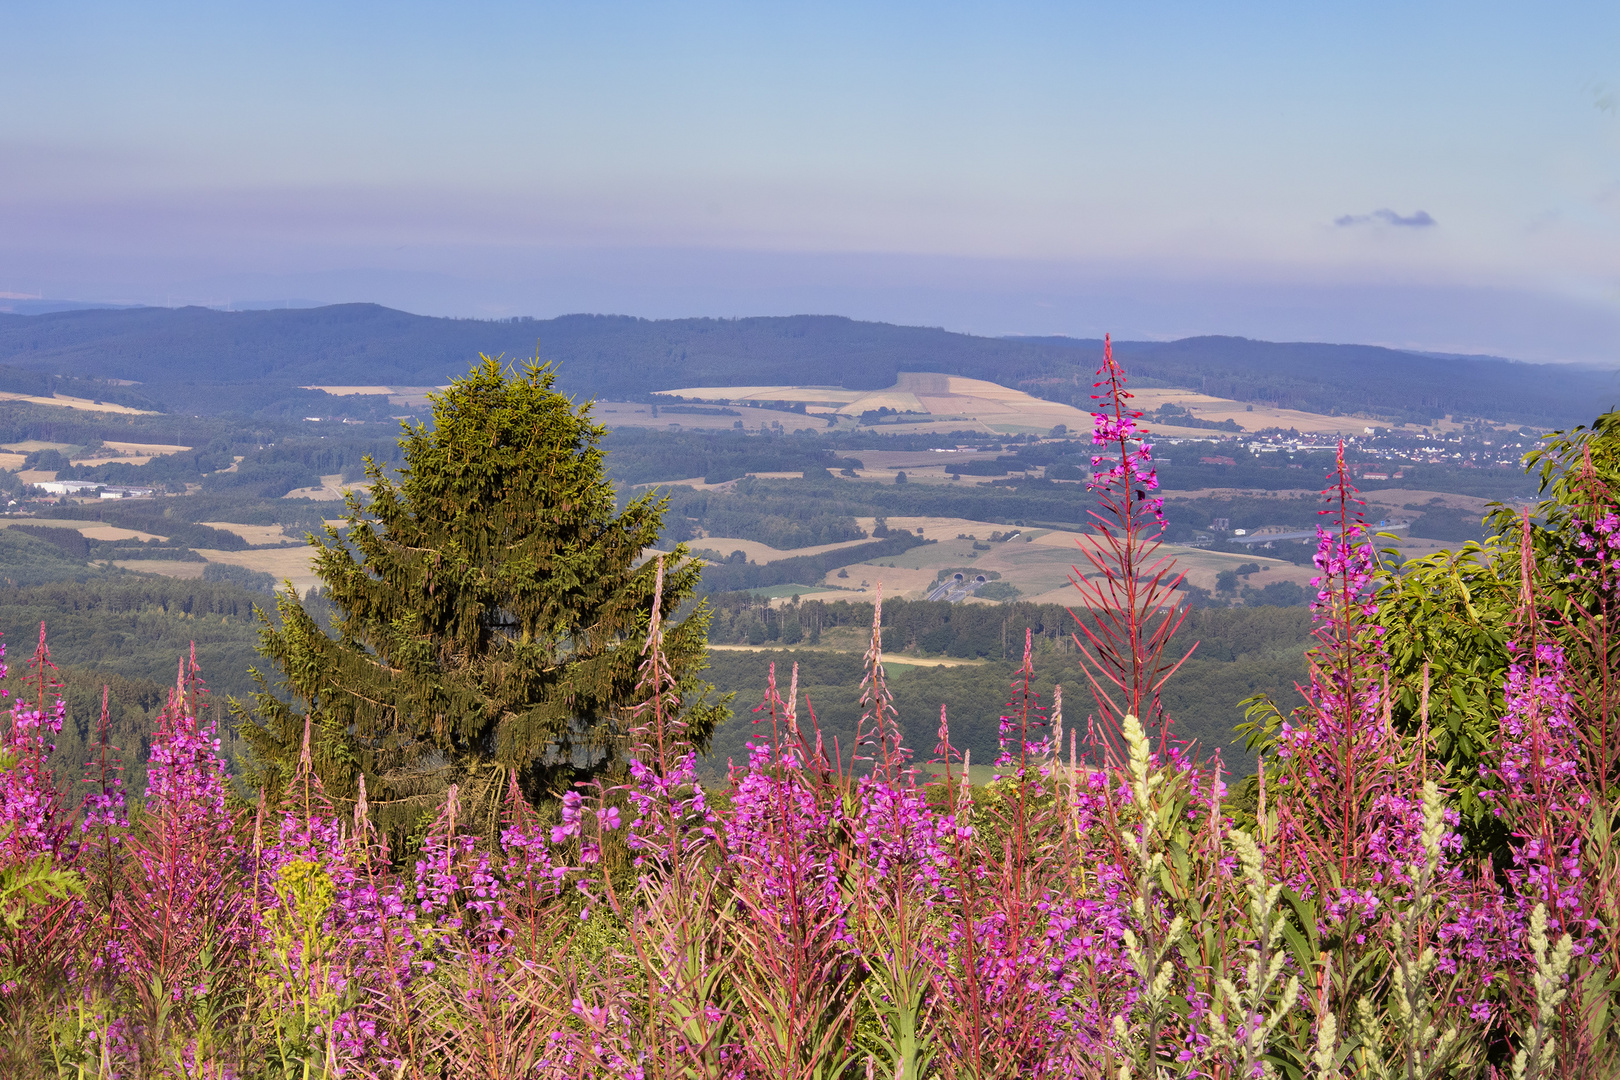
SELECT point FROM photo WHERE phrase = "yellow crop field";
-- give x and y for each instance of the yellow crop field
(295, 563)
(1250, 417)
(93, 530)
(31, 445)
(135, 449)
(253, 534)
(889, 659)
(63, 402)
(977, 404)
(809, 395)
(958, 402)
(129, 453)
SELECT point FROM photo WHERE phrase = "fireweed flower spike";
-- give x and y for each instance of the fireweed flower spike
(1340, 796)
(184, 907)
(39, 855)
(33, 820)
(1128, 590)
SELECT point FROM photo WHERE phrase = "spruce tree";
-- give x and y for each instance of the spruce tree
(489, 608)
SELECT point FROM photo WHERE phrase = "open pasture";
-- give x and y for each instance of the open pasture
(295, 564)
(960, 403)
(764, 553)
(257, 535)
(93, 530)
(621, 414)
(1038, 562)
(331, 489)
(63, 402)
(185, 571)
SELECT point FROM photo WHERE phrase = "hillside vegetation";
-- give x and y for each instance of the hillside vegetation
(201, 360)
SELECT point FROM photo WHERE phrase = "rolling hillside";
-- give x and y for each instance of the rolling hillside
(213, 362)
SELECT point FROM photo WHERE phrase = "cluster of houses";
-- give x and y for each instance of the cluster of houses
(1380, 453)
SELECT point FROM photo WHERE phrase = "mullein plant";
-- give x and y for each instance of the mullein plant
(1411, 1039)
(311, 915)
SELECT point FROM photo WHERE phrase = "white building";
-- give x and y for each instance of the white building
(66, 487)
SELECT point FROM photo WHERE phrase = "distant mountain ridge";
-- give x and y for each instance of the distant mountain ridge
(217, 362)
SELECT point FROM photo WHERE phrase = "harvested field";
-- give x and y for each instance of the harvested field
(75, 403)
(257, 535)
(764, 553)
(294, 563)
(94, 530)
(331, 489)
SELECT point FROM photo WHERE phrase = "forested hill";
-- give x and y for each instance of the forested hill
(202, 360)
(1321, 378)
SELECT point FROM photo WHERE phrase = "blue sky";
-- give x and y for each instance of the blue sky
(1443, 176)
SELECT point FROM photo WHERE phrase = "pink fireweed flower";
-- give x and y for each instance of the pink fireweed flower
(32, 817)
(1597, 544)
(185, 777)
(672, 814)
(571, 803)
(1105, 429)
(182, 894)
(898, 833)
(1347, 564)
(776, 833)
(1543, 792)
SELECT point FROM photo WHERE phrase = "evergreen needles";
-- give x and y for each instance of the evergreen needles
(491, 603)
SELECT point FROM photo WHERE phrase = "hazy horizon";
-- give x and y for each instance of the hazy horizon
(1443, 178)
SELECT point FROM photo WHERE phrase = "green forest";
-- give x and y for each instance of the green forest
(1236, 654)
(270, 354)
(127, 632)
(130, 630)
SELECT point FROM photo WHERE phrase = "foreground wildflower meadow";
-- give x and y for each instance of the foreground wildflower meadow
(1409, 887)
